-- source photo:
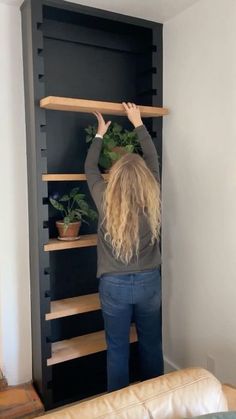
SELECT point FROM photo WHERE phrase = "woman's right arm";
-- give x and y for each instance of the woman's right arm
(149, 150)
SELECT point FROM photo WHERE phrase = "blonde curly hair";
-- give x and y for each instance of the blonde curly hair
(131, 189)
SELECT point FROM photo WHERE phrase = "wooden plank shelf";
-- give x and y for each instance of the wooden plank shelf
(91, 343)
(88, 106)
(85, 240)
(49, 177)
(75, 305)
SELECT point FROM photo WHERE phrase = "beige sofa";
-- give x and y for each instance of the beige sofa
(181, 394)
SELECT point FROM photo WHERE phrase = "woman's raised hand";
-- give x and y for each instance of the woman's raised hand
(102, 125)
(133, 113)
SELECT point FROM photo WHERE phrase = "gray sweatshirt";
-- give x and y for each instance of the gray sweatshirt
(149, 255)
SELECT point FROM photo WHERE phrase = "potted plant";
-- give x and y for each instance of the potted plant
(74, 208)
(115, 143)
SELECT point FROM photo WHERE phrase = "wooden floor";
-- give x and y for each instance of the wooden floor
(20, 402)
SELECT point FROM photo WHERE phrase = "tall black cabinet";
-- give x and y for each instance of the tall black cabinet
(74, 51)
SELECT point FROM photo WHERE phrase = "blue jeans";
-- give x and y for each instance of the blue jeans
(125, 297)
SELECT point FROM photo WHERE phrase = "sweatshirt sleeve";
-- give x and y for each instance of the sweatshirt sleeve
(149, 150)
(95, 181)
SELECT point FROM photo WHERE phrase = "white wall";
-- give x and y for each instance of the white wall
(15, 338)
(199, 188)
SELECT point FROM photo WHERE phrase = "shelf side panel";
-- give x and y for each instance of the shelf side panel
(31, 11)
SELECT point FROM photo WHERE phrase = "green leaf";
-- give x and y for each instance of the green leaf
(104, 161)
(69, 218)
(113, 155)
(66, 222)
(64, 198)
(79, 197)
(105, 152)
(73, 192)
(80, 211)
(92, 214)
(89, 129)
(83, 205)
(88, 138)
(78, 214)
(129, 148)
(108, 142)
(117, 127)
(56, 204)
(112, 143)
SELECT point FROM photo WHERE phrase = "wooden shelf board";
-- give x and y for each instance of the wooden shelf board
(66, 350)
(74, 305)
(47, 177)
(84, 105)
(85, 240)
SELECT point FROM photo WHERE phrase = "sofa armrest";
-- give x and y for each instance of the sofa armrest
(184, 393)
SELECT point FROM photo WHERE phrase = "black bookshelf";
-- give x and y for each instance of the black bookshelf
(76, 51)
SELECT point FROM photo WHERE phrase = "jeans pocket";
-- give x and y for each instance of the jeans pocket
(146, 291)
(148, 296)
(115, 295)
(111, 299)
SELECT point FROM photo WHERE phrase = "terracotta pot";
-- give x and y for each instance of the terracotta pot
(72, 231)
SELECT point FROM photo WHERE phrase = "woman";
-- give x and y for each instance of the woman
(128, 255)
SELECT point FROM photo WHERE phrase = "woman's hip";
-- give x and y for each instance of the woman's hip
(131, 287)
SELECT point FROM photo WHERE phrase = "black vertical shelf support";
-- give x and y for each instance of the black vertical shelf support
(37, 191)
(61, 43)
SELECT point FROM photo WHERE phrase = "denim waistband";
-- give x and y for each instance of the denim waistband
(134, 275)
